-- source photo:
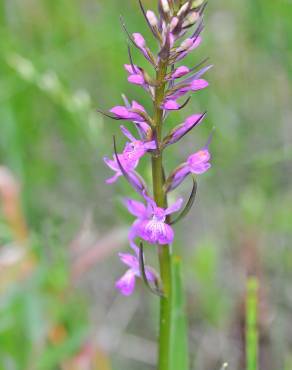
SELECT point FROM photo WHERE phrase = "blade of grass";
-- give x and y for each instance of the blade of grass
(251, 333)
(179, 339)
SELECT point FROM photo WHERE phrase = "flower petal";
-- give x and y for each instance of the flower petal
(199, 84)
(126, 284)
(150, 145)
(111, 164)
(138, 106)
(127, 133)
(170, 104)
(174, 207)
(196, 42)
(129, 68)
(179, 72)
(155, 232)
(200, 168)
(136, 79)
(129, 260)
(199, 157)
(114, 178)
(150, 274)
(120, 112)
(143, 129)
(139, 40)
(136, 208)
(177, 177)
(181, 130)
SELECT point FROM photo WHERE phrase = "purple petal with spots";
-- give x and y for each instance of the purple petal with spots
(155, 232)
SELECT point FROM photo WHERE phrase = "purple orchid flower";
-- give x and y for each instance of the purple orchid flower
(195, 85)
(129, 158)
(189, 84)
(197, 163)
(170, 104)
(151, 223)
(143, 128)
(140, 43)
(179, 72)
(187, 46)
(135, 112)
(181, 130)
(127, 164)
(135, 149)
(126, 284)
(136, 75)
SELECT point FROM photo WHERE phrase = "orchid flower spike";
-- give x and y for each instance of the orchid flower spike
(177, 28)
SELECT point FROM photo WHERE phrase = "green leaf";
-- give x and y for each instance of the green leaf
(179, 358)
(251, 323)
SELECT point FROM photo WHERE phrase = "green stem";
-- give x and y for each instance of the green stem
(164, 250)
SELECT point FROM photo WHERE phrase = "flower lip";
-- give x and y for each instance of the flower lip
(150, 224)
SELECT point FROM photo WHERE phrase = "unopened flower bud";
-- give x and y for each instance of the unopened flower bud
(139, 40)
(173, 23)
(152, 18)
(183, 9)
(165, 6)
(191, 19)
(185, 45)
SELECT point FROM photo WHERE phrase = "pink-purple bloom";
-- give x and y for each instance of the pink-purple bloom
(151, 225)
(187, 46)
(182, 89)
(135, 149)
(129, 158)
(181, 130)
(136, 75)
(133, 113)
(176, 39)
(140, 42)
(126, 284)
(128, 166)
(197, 164)
(170, 104)
(179, 72)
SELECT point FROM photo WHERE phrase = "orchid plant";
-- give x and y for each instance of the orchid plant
(177, 28)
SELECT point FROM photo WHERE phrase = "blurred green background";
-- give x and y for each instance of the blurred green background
(59, 62)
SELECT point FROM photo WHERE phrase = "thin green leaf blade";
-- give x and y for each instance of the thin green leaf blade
(251, 324)
(179, 358)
